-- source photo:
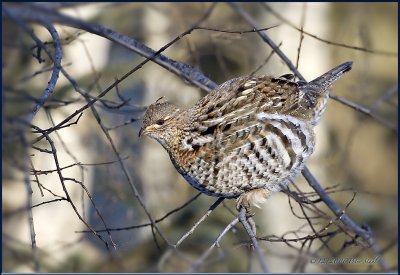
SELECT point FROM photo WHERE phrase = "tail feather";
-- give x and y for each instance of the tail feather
(316, 93)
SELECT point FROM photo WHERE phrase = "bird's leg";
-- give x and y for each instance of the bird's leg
(243, 202)
(252, 197)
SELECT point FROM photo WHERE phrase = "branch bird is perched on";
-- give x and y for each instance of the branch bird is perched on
(247, 138)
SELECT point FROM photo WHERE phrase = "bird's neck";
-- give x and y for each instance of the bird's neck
(320, 107)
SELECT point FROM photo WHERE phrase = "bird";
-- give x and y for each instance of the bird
(246, 139)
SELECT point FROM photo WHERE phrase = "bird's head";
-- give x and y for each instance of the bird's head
(159, 121)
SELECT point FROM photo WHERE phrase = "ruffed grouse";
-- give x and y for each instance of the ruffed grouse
(247, 138)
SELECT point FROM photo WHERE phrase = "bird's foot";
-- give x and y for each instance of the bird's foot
(246, 200)
(253, 197)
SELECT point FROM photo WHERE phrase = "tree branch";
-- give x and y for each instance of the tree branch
(39, 14)
(365, 234)
(246, 225)
(208, 213)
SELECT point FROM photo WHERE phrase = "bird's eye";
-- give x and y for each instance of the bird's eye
(160, 122)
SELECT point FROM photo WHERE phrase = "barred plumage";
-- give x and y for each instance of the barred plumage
(247, 138)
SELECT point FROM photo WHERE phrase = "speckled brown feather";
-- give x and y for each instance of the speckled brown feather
(249, 134)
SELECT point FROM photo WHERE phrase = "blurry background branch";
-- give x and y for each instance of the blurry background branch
(40, 13)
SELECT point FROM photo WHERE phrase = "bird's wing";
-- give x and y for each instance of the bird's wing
(242, 96)
(243, 135)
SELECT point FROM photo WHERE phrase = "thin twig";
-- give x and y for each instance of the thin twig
(195, 74)
(233, 31)
(147, 224)
(214, 244)
(61, 178)
(45, 172)
(246, 225)
(29, 203)
(265, 61)
(90, 104)
(19, 210)
(38, 72)
(385, 96)
(294, 69)
(81, 168)
(309, 177)
(280, 17)
(38, 13)
(266, 38)
(56, 70)
(95, 207)
(366, 235)
(132, 120)
(303, 17)
(274, 238)
(36, 177)
(190, 232)
(363, 110)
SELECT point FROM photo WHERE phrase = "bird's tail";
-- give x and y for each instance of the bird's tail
(326, 80)
(316, 93)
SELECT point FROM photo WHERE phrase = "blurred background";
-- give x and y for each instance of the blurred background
(355, 152)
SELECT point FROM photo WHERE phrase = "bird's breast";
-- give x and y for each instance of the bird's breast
(260, 151)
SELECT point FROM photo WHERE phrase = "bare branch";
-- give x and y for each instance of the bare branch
(320, 230)
(266, 38)
(147, 224)
(366, 235)
(303, 17)
(294, 69)
(208, 213)
(246, 225)
(280, 17)
(187, 72)
(57, 61)
(214, 244)
(61, 178)
(29, 202)
(363, 110)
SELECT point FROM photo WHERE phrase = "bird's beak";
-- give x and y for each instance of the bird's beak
(146, 131)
